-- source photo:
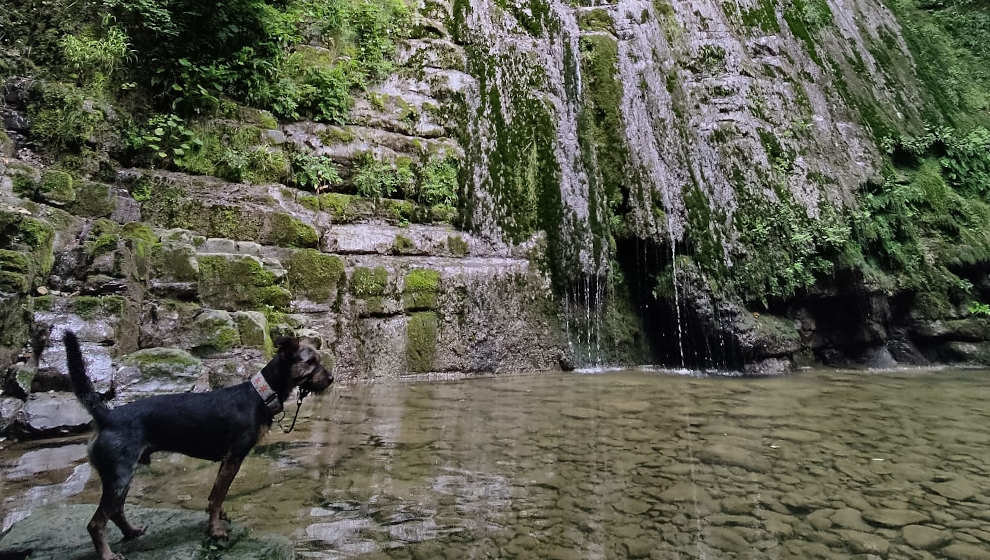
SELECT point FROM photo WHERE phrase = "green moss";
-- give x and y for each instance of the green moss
(402, 245)
(254, 332)
(239, 283)
(443, 213)
(32, 237)
(336, 135)
(368, 282)
(601, 138)
(175, 262)
(141, 238)
(13, 282)
(114, 305)
(596, 20)
(93, 200)
(15, 261)
(215, 332)
(24, 178)
(161, 362)
(420, 289)
(315, 275)
(57, 187)
(794, 17)
(421, 341)
(702, 235)
(6, 145)
(89, 307)
(339, 206)
(44, 303)
(309, 202)
(291, 232)
(457, 246)
(86, 307)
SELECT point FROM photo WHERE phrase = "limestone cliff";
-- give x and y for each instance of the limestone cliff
(497, 186)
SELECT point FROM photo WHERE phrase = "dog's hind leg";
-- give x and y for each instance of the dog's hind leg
(228, 470)
(115, 462)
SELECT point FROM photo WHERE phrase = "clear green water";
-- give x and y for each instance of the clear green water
(624, 464)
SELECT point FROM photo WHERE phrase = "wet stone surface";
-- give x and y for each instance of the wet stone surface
(617, 465)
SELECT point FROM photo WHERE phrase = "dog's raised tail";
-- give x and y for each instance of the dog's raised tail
(81, 385)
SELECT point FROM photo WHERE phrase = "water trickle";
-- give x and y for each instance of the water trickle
(677, 300)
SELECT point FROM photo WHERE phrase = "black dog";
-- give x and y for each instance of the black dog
(221, 425)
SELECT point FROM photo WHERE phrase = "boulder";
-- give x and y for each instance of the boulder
(155, 371)
(47, 414)
(59, 533)
(9, 407)
(253, 328)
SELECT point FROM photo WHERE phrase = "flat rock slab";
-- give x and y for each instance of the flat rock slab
(894, 518)
(59, 533)
(723, 454)
(925, 538)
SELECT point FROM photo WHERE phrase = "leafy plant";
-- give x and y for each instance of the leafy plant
(65, 117)
(316, 173)
(980, 309)
(164, 141)
(438, 181)
(375, 178)
(93, 60)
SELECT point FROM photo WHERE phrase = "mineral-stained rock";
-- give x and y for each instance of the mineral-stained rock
(59, 533)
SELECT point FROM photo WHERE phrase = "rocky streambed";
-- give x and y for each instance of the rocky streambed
(627, 464)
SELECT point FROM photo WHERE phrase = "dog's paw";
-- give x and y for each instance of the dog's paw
(117, 556)
(133, 534)
(218, 533)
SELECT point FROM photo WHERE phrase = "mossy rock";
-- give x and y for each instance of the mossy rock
(33, 240)
(214, 332)
(315, 276)
(43, 303)
(94, 200)
(420, 289)
(239, 282)
(968, 352)
(253, 328)
(368, 282)
(402, 245)
(457, 246)
(16, 271)
(164, 362)
(24, 179)
(101, 243)
(57, 187)
(6, 145)
(421, 341)
(89, 307)
(175, 261)
(287, 231)
(171, 535)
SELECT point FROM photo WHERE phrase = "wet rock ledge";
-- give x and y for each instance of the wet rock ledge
(59, 533)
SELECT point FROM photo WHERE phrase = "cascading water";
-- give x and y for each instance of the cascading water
(697, 104)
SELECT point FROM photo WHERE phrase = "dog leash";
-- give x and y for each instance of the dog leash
(301, 394)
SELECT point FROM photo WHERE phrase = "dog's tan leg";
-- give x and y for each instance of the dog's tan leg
(228, 470)
(97, 531)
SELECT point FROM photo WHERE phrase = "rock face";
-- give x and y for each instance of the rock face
(611, 168)
(59, 533)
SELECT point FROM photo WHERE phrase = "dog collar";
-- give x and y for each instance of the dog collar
(268, 396)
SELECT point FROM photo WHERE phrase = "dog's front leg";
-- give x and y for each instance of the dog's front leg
(228, 470)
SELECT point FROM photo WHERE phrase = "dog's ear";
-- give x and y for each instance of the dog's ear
(287, 346)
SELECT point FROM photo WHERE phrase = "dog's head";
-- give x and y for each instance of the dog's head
(305, 369)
